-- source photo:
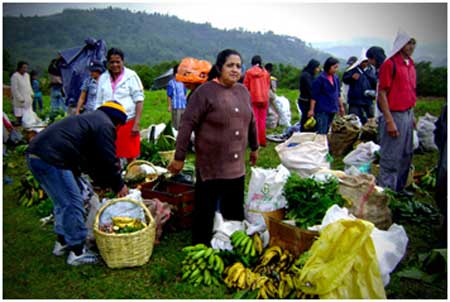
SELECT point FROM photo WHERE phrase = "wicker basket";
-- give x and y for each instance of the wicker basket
(167, 155)
(129, 249)
(149, 177)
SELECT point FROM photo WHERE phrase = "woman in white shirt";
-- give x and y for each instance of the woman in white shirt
(124, 86)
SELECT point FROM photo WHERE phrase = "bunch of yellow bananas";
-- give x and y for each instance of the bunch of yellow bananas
(274, 259)
(202, 264)
(310, 123)
(238, 276)
(246, 245)
(122, 222)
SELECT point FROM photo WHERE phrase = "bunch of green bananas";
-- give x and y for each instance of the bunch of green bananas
(30, 193)
(245, 245)
(310, 123)
(428, 181)
(202, 265)
(299, 263)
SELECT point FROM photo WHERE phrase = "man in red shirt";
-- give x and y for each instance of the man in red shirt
(257, 81)
(396, 100)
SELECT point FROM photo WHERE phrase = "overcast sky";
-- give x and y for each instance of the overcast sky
(311, 22)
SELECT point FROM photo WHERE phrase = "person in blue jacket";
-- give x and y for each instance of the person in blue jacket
(326, 96)
(362, 82)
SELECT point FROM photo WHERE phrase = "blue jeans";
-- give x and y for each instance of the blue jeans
(37, 101)
(323, 120)
(56, 99)
(64, 190)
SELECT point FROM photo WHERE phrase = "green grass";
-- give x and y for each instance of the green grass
(31, 272)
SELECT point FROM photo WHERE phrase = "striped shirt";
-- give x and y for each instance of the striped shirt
(177, 92)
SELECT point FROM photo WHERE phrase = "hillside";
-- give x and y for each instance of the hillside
(145, 38)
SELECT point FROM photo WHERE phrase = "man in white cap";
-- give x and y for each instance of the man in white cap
(396, 100)
(361, 80)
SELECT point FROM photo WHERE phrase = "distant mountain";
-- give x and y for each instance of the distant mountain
(434, 53)
(144, 38)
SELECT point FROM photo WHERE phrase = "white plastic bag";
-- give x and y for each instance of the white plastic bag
(416, 141)
(425, 131)
(304, 153)
(283, 108)
(30, 119)
(390, 245)
(362, 157)
(265, 192)
(123, 208)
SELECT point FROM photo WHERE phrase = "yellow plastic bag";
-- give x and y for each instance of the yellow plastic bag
(343, 263)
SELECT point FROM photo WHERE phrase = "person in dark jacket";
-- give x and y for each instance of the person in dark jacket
(304, 100)
(59, 154)
(362, 81)
(326, 97)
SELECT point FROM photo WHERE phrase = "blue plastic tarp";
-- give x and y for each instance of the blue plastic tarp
(74, 66)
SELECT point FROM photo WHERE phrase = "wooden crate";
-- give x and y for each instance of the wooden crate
(180, 195)
(289, 237)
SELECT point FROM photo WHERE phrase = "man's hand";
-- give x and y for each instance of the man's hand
(123, 192)
(175, 166)
(391, 128)
(356, 76)
(253, 157)
(135, 129)
(310, 113)
(169, 108)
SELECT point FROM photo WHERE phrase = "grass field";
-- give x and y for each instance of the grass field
(31, 272)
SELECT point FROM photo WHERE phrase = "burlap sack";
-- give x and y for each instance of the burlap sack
(369, 132)
(343, 135)
(366, 201)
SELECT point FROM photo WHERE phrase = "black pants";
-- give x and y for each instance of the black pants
(224, 194)
(364, 112)
(304, 107)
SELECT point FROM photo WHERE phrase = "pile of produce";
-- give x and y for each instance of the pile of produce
(202, 265)
(309, 199)
(246, 248)
(269, 273)
(122, 225)
(30, 192)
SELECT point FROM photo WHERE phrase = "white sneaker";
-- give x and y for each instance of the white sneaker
(59, 249)
(87, 257)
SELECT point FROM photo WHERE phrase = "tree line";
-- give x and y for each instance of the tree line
(431, 81)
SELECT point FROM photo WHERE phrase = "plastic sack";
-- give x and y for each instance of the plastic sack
(390, 245)
(304, 153)
(160, 212)
(272, 117)
(223, 229)
(123, 208)
(343, 263)
(193, 71)
(362, 157)
(425, 131)
(153, 131)
(30, 119)
(416, 142)
(283, 107)
(265, 192)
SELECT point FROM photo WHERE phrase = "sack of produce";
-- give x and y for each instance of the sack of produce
(368, 201)
(304, 153)
(344, 133)
(265, 193)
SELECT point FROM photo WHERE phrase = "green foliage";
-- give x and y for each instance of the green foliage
(148, 73)
(405, 210)
(45, 208)
(431, 81)
(309, 199)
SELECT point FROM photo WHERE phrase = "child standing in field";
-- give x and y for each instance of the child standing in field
(37, 100)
